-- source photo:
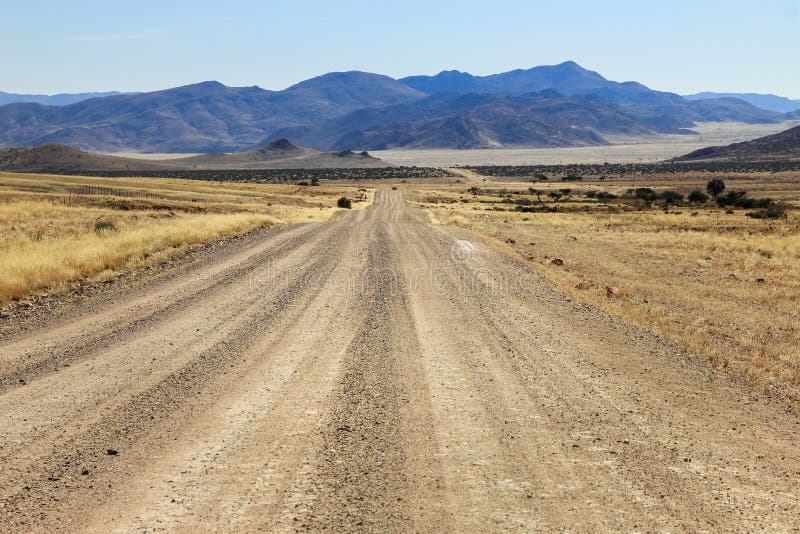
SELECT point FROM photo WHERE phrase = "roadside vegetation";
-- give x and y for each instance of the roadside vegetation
(61, 231)
(721, 278)
(285, 176)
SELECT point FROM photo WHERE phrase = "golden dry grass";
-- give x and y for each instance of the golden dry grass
(723, 286)
(59, 230)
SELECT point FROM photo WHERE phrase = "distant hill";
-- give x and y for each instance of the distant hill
(280, 154)
(60, 159)
(62, 99)
(548, 106)
(54, 158)
(784, 145)
(775, 103)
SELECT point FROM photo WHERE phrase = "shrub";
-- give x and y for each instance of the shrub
(698, 197)
(345, 203)
(671, 197)
(730, 198)
(572, 178)
(739, 199)
(715, 187)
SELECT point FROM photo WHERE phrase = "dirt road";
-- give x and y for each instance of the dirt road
(376, 373)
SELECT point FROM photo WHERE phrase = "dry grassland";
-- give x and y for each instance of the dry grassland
(57, 230)
(720, 285)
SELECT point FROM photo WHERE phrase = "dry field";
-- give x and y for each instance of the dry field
(721, 285)
(57, 231)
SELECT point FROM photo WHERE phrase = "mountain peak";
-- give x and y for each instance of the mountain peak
(208, 84)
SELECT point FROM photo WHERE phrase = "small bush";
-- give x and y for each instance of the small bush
(645, 194)
(345, 203)
(698, 197)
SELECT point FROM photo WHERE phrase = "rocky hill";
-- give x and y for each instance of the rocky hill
(55, 158)
(784, 145)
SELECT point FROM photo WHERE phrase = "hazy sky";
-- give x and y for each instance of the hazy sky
(683, 46)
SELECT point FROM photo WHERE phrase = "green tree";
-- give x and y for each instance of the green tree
(646, 194)
(715, 187)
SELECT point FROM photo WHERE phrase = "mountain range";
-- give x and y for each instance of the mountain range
(549, 106)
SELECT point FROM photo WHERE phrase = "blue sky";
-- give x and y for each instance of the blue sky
(682, 46)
